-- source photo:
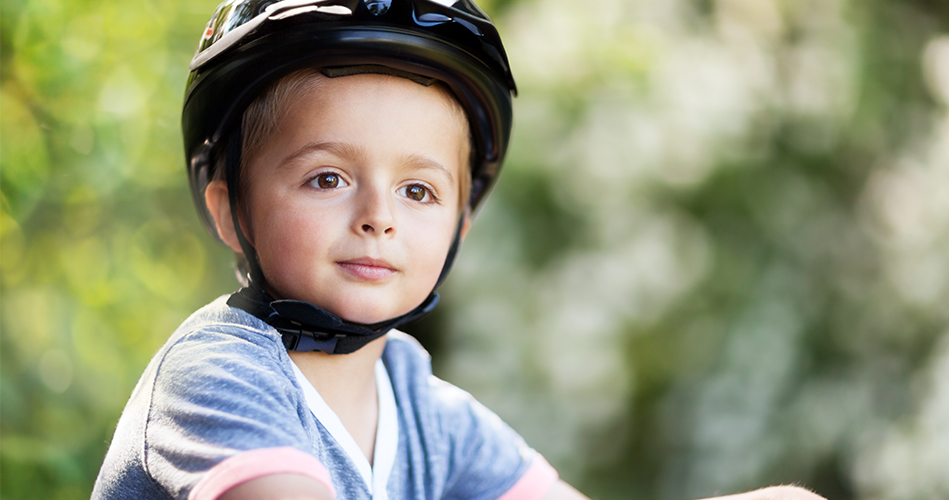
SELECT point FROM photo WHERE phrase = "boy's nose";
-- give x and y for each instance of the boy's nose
(384, 229)
(375, 215)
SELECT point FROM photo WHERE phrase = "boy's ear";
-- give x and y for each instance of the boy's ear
(219, 204)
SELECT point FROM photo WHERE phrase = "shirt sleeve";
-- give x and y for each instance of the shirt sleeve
(252, 464)
(488, 459)
(222, 412)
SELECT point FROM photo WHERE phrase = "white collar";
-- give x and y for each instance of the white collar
(387, 431)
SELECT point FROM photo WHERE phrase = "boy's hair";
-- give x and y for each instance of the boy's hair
(262, 119)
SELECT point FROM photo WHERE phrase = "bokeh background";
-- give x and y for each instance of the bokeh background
(718, 257)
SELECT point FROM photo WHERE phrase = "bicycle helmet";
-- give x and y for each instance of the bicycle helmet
(250, 44)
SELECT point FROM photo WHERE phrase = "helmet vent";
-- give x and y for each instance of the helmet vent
(378, 7)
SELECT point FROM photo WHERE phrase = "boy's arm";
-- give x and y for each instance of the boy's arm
(279, 487)
(563, 491)
(297, 487)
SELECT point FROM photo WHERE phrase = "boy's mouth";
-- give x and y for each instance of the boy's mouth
(367, 268)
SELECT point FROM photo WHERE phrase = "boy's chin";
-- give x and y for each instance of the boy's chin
(361, 310)
(366, 315)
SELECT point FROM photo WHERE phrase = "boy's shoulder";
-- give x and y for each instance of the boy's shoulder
(218, 316)
(406, 360)
(218, 339)
(222, 384)
(402, 344)
(218, 323)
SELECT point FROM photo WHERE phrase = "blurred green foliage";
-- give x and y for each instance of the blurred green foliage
(763, 333)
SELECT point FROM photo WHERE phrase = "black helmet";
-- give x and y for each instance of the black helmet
(249, 44)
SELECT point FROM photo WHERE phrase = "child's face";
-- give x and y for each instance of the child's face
(353, 203)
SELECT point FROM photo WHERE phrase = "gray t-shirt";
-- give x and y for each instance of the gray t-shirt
(220, 403)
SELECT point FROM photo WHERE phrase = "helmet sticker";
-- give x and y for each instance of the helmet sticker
(209, 31)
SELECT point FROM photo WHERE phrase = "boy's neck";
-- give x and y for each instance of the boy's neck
(347, 382)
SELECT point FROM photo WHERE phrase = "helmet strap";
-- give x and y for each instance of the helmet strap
(307, 327)
(452, 253)
(233, 175)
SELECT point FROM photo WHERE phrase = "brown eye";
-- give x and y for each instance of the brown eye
(328, 180)
(416, 192)
(419, 193)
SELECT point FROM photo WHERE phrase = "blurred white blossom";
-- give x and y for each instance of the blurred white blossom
(633, 98)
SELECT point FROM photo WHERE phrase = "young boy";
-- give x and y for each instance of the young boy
(339, 147)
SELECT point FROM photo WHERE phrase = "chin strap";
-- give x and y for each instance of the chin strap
(305, 326)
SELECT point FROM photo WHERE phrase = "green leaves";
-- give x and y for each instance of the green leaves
(101, 254)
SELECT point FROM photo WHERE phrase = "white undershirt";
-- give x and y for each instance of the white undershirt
(387, 431)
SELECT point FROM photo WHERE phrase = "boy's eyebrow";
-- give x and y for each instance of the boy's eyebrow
(420, 161)
(341, 149)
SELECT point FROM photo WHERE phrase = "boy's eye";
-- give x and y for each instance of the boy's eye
(417, 192)
(328, 180)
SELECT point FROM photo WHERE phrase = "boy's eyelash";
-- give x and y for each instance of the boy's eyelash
(431, 192)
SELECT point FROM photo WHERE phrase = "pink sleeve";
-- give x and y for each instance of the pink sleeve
(258, 463)
(535, 483)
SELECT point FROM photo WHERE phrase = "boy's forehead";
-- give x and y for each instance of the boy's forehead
(351, 104)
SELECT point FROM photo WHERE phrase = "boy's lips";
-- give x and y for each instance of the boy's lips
(367, 268)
